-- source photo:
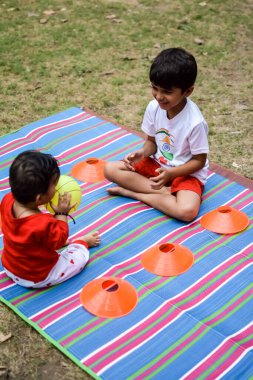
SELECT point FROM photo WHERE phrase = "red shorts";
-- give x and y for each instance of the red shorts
(147, 167)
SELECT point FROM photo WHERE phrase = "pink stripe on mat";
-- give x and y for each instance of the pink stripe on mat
(149, 321)
(6, 284)
(45, 129)
(92, 325)
(119, 219)
(100, 139)
(217, 354)
(55, 307)
(192, 338)
(214, 191)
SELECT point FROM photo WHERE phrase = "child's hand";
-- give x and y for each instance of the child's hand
(164, 176)
(64, 205)
(132, 158)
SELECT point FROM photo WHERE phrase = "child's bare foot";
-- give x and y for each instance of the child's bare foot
(117, 190)
(92, 239)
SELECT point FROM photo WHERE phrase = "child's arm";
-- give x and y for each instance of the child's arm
(196, 163)
(149, 148)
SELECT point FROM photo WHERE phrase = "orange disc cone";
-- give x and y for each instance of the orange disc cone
(169, 259)
(90, 170)
(225, 220)
(109, 297)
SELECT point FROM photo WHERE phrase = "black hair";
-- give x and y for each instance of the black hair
(31, 173)
(173, 67)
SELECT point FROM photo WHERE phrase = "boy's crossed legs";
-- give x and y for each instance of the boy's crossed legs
(184, 205)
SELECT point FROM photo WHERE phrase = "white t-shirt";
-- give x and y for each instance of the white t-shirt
(179, 138)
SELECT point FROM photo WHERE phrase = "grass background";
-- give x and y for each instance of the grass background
(60, 53)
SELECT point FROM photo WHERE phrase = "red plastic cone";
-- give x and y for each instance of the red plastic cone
(90, 170)
(225, 220)
(109, 297)
(169, 259)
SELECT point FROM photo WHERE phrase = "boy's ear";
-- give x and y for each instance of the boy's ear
(38, 199)
(189, 91)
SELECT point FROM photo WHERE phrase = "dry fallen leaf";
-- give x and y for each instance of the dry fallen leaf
(240, 106)
(3, 337)
(4, 373)
(110, 17)
(199, 41)
(32, 14)
(129, 58)
(37, 85)
(49, 12)
(235, 165)
(109, 72)
(117, 20)
(43, 20)
(34, 86)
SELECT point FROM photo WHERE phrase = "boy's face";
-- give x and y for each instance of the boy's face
(173, 100)
(47, 197)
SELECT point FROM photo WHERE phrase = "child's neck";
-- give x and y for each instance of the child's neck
(176, 110)
(21, 211)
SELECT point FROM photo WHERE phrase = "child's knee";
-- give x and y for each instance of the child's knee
(108, 170)
(111, 168)
(187, 213)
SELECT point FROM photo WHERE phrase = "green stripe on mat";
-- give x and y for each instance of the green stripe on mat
(200, 258)
(154, 280)
(203, 376)
(183, 338)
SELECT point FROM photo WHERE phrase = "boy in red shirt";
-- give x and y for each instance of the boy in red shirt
(31, 238)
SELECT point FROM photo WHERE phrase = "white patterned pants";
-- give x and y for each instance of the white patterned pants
(71, 261)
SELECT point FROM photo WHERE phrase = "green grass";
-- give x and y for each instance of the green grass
(97, 54)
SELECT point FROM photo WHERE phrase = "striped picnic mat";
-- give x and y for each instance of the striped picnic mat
(194, 326)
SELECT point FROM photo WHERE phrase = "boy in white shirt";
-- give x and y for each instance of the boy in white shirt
(170, 170)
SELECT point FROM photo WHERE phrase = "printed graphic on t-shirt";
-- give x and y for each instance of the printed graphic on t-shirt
(165, 141)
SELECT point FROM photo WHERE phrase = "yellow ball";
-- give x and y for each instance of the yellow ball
(69, 185)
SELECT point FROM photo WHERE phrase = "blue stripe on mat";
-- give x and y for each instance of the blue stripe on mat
(196, 325)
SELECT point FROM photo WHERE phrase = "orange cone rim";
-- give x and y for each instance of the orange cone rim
(168, 259)
(90, 170)
(109, 297)
(225, 220)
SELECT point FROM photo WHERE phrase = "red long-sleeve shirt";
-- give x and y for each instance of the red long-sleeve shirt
(30, 243)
